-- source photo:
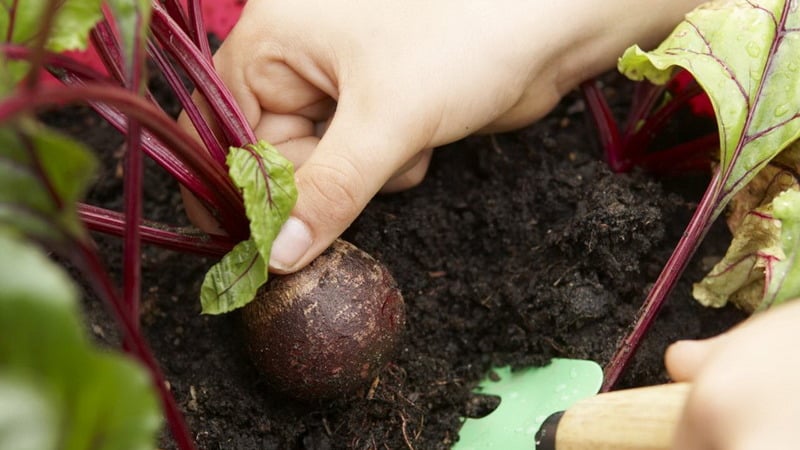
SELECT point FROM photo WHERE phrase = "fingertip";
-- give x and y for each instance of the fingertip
(293, 242)
(684, 358)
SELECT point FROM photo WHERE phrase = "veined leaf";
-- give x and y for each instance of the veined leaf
(784, 282)
(752, 255)
(745, 55)
(233, 282)
(72, 396)
(267, 182)
(42, 176)
(73, 21)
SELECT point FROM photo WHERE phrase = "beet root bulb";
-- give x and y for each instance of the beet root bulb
(326, 330)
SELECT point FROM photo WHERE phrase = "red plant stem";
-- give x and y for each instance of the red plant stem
(165, 129)
(698, 226)
(692, 155)
(197, 28)
(132, 189)
(72, 73)
(132, 245)
(177, 13)
(191, 110)
(606, 125)
(219, 100)
(173, 238)
(55, 62)
(645, 96)
(641, 139)
(108, 48)
(96, 273)
(11, 11)
(200, 187)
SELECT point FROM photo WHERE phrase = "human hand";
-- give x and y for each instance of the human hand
(356, 94)
(746, 385)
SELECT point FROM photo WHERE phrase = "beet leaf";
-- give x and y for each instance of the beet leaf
(267, 182)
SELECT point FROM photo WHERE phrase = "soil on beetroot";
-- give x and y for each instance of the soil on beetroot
(515, 249)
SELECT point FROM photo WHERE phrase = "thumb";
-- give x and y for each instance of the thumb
(352, 161)
(685, 358)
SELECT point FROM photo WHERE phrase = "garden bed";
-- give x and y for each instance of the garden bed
(516, 248)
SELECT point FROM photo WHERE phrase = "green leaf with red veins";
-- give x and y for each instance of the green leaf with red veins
(266, 180)
(739, 277)
(746, 56)
(784, 281)
(234, 281)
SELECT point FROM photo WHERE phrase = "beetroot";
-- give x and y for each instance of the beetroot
(326, 330)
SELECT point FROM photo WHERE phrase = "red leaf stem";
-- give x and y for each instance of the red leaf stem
(219, 100)
(645, 97)
(687, 245)
(132, 247)
(191, 110)
(174, 238)
(109, 49)
(197, 28)
(606, 125)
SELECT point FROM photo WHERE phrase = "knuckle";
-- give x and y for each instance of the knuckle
(334, 190)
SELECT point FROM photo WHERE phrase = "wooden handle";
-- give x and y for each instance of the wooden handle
(632, 419)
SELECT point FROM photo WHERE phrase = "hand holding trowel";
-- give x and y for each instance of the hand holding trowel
(554, 408)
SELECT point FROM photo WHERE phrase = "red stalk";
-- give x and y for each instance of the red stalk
(132, 248)
(132, 191)
(108, 48)
(219, 100)
(645, 97)
(698, 226)
(197, 28)
(606, 125)
(191, 110)
(173, 238)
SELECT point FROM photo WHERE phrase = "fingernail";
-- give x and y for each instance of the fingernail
(292, 242)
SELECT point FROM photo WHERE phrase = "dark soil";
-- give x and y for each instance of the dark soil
(515, 249)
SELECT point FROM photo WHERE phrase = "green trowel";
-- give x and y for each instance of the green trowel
(555, 408)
